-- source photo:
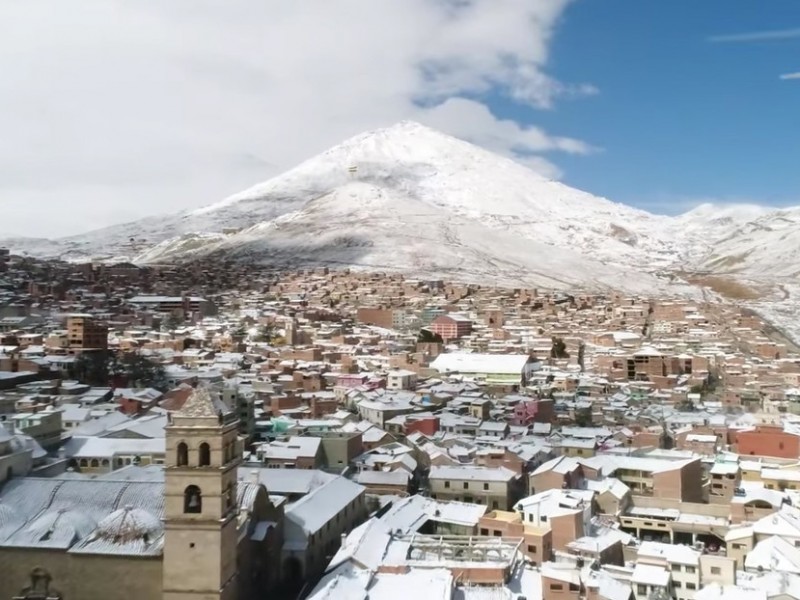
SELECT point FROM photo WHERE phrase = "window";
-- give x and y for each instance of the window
(677, 584)
(447, 484)
(676, 568)
(543, 518)
(205, 455)
(689, 569)
(192, 500)
(690, 586)
(531, 549)
(556, 587)
(716, 571)
(466, 485)
(182, 458)
(104, 462)
(641, 589)
(95, 463)
(484, 531)
(485, 486)
(497, 533)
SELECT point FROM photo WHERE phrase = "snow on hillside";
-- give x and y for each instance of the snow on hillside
(700, 228)
(768, 246)
(368, 226)
(408, 198)
(417, 163)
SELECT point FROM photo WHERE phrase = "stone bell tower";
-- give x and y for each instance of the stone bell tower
(202, 454)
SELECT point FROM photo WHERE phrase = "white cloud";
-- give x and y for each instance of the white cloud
(758, 36)
(110, 110)
(787, 76)
(474, 122)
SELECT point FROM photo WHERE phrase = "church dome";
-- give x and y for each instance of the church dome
(128, 524)
(62, 524)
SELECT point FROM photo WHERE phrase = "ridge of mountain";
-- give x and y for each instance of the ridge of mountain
(410, 198)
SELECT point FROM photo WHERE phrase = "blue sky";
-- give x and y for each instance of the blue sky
(680, 118)
(115, 110)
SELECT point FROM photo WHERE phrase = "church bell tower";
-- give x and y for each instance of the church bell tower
(202, 455)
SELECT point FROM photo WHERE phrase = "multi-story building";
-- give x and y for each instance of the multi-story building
(382, 408)
(670, 479)
(725, 480)
(184, 305)
(768, 440)
(495, 488)
(537, 540)
(85, 334)
(401, 379)
(44, 426)
(451, 326)
(339, 448)
(687, 567)
(566, 513)
(380, 317)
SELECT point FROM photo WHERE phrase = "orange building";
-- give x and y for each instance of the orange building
(84, 333)
(768, 440)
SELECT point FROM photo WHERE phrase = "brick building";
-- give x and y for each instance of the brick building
(451, 327)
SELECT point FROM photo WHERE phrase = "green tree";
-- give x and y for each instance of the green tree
(92, 368)
(139, 371)
(583, 417)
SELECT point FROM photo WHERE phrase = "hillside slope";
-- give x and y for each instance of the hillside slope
(408, 198)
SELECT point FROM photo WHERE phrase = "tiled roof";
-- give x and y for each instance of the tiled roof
(96, 516)
(199, 404)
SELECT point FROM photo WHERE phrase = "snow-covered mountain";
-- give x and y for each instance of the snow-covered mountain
(409, 198)
(767, 246)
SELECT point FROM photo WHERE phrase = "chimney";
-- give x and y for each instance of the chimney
(254, 476)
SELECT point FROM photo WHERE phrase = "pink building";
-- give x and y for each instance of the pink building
(351, 380)
(532, 411)
(451, 327)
